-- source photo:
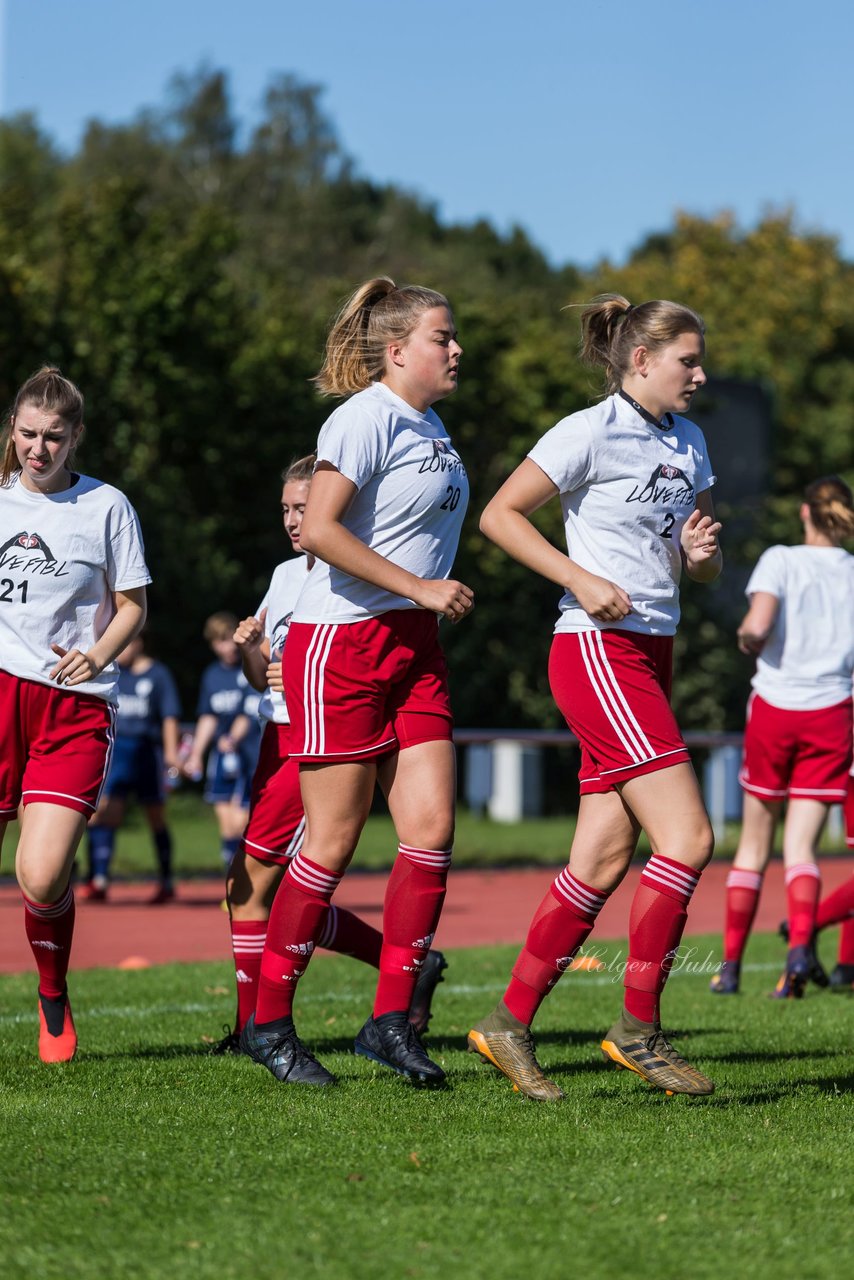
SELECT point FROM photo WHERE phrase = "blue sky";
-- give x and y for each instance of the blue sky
(588, 123)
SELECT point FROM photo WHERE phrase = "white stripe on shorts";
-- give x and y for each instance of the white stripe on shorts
(315, 663)
(612, 699)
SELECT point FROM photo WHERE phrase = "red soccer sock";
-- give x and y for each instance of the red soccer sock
(837, 907)
(562, 921)
(247, 944)
(742, 898)
(348, 935)
(296, 922)
(50, 930)
(413, 904)
(846, 943)
(803, 888)
(657, 920)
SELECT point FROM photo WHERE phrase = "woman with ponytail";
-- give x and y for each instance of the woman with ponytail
(633, 478)
(797, 741)
(364, 677)
(72, 583)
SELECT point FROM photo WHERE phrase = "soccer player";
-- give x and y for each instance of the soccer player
(364, 676)
(276, 824)
(72, 596)
(227, 730)
(633, 478)
(797, 740)
(146, 747)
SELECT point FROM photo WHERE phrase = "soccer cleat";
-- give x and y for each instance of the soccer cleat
(57, 1035)
(817, 972)
(392, 1041)
(94, 890)
(163, 894)
(793, 980)
(725, 981)
(644, 1049)
(512, 1052)
(230, 1043)
(283, 1054)
(842, 978)
(422, 997)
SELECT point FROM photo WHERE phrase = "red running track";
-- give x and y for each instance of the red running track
(482, 908)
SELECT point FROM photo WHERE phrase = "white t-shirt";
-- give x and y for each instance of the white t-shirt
(285, 585)
(626, 489)
(62, 555)
(412, 495)
(808, 659)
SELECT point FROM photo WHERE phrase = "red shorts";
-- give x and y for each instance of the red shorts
(360, 690)
(803, 755)
(56, 746)
(613, 688)
(276, 826)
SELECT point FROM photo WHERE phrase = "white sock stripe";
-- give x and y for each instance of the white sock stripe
(249, 946)
(53, 909)
(590, 901)
(802, 869)
(330, 928)
(657, 873)
(611, 696)
(411, 848)
(314, 879)
(738, 879)
(429, 859)
(678, 869)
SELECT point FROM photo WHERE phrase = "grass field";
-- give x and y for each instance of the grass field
(148, 1158)
(480, 842)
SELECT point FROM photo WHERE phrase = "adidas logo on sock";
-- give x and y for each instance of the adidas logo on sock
(300, 948)
(48, 946)
(424, 944)
(242, 977)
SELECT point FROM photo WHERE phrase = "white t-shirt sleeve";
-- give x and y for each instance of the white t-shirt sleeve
(565, 453)
(351, 441)
(125, 566)
(769, 574)
(705, 477)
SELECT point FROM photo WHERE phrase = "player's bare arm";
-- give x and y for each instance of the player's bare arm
(75, 667)
(324, 535)
(757, 623)
(506, 522)
(254, 650)
(701, 551)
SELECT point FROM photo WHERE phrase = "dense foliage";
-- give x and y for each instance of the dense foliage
(183, 269)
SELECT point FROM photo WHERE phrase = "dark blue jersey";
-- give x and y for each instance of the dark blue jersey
(224, 692)
(145, 701)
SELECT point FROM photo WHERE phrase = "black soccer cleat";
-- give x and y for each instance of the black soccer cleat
(842, 978)
(392, 1041)
(230, 1043)
(725, 981)
(793, 980)
(283, 1054)
(422, 997)
(817, 972)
